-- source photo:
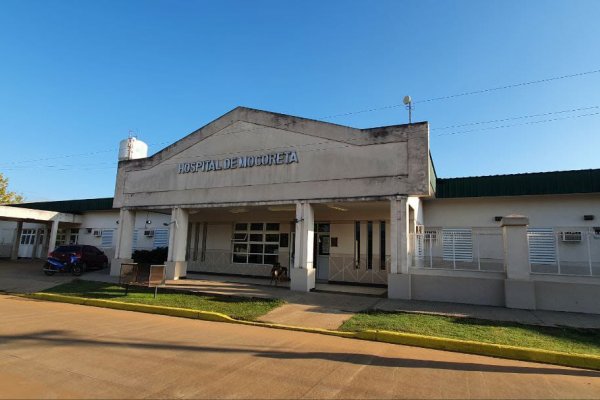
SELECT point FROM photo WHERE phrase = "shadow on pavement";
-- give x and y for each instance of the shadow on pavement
(59, 337)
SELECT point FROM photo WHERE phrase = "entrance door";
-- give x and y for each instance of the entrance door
(27, 243)
(321, 251)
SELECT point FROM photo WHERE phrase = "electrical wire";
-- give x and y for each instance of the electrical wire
(481, 91)
(452, 96)
(522, 124)
(515, 118)
(113, 164)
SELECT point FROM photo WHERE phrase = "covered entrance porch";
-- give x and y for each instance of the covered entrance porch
(347, 242)
(36, 241)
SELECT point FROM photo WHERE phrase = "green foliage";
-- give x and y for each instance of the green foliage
(236, 307)
(7, 197)
(564, 339)
(154, 257)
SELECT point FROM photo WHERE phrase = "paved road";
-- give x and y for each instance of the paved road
(50, 350)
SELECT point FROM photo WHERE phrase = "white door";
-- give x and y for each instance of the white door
(27, 243)
(323, 244)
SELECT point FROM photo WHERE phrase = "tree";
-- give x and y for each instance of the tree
(7, 197)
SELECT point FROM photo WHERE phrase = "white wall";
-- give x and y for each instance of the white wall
(542, 211)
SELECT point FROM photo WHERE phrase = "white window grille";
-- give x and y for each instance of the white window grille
(161, 238)
(107, 238)
(457, 244)
(27, 236)
(61, 237)
(542, 246)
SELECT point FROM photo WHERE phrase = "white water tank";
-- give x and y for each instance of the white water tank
(132, 148)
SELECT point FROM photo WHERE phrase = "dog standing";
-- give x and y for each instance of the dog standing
(278, 273)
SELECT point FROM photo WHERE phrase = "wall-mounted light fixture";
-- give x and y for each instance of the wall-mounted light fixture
(497, 218)
(588, 217)
(148, 222)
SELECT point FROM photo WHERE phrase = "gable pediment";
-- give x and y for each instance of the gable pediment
(251, 155)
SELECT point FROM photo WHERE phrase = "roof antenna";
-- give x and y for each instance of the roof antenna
(408, 103)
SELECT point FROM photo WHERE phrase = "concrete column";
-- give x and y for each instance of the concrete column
(519, 290)
(52, 237)
(178, 235)
(124, 245)
(399, 277)
(14, 253)
(36, 246)
(302, 274)
(46, 244)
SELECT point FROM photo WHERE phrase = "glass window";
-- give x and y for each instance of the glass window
(272, 227)
(255, 258)
(284, 240)
(252, 246)
(241, 227)
(272, 237)
(322, 227)
(240, 247)
(271, 248)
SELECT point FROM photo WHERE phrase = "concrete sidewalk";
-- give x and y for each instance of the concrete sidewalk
(313, 309)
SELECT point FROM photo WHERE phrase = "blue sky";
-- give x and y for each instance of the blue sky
(76, 76)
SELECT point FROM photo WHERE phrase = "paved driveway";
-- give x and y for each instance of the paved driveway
(26, 276)
(68, 351)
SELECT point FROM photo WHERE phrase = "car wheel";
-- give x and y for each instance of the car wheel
(76, 270)
(104, 265)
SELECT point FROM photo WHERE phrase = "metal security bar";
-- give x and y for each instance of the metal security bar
(564, 251)
(467, 249)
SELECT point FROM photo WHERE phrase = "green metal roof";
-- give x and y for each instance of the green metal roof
(538, 183)
(558, 182)
(71, 206)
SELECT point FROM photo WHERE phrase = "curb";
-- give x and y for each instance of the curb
(408, 339)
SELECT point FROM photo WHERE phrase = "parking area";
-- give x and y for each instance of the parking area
(26, 276)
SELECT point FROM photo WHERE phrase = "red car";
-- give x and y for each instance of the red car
(90, 257)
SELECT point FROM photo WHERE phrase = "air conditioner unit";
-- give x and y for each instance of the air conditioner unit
(431, 236)
(97, 232)
(149, 233)
(570, 236)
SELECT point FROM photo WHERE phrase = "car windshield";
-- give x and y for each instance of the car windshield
(67, 249)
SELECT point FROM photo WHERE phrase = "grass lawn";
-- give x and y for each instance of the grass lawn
(570, 340)
(236, 307)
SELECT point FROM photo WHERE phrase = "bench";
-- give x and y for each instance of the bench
(150, 276)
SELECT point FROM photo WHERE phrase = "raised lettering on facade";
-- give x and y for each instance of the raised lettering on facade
(280, 158)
